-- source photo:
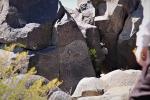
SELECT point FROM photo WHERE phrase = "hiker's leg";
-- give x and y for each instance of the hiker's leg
(142, 88)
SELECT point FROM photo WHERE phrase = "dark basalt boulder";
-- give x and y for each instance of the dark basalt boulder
(110, 29)
(68, 58)
(28, 22)
(93, 39)
(117, 22)
(74, 55)
(127, 39)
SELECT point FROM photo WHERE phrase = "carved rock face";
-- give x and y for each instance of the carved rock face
(69, 59)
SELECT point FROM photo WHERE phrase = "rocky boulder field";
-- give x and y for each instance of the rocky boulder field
(96, 39)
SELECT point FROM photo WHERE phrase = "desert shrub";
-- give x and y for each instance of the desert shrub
(93, 56)
(17, 63)
(17, 90)
(93, 53)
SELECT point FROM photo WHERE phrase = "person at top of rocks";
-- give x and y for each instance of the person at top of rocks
(142, 88)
